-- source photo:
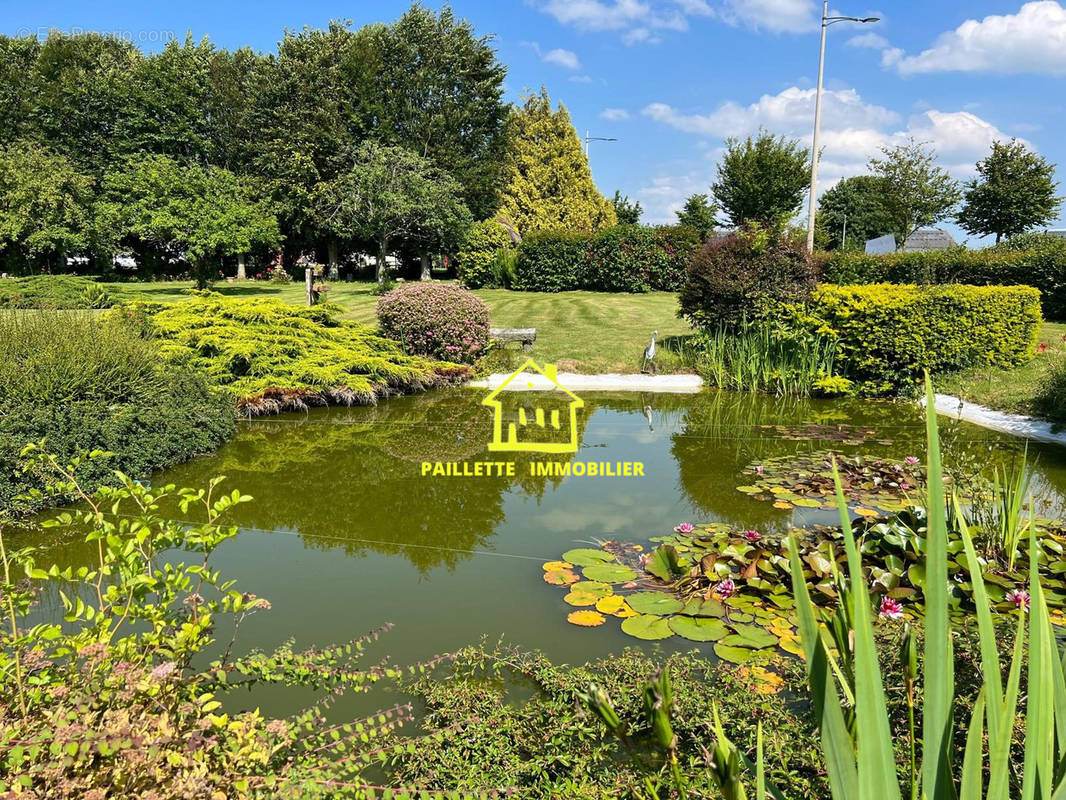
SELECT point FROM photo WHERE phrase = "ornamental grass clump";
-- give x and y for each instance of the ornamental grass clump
(436, 320)
(271, 357)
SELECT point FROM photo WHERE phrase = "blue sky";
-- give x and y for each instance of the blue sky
(671, 79)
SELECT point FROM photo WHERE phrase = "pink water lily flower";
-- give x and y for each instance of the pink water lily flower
(726, 589)
(752, 536)
(685, 527)
(1020, 598)
(910, 461)
(890, 608)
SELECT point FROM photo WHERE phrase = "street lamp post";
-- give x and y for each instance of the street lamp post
(812, 200)
(595, 139)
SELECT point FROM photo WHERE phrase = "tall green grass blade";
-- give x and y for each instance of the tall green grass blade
(760, 766)
(1038, 769)
(876, 760)
(939, 670)
(836, 741)
(999, 752)
(972, 761)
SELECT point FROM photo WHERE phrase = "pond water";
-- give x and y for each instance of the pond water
(345, 532)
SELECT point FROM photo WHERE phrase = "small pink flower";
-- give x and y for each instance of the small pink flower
(163, 670)
(890, 608)
(1020, 598)
(904, 486)
(910, 461)
(685, 527)
(751, 536)
(726, 589)
(759, 469)
(643, 559)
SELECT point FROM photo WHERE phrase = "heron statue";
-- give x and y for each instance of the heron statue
(649, 355)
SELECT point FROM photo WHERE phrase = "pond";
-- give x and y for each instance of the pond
(346, 533)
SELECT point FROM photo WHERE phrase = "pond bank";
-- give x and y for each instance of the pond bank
(611, 382)
(1015, 424)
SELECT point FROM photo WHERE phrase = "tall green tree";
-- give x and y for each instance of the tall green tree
(549, 184)
(917, 193)
(45, 207)
(698, 213)
(196, 213)
(1013, 193)
(18, 58)
(438, 91)
(762, 179)
(853, 208)
(627, 211)
(392, 196)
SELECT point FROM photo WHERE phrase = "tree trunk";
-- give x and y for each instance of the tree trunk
(333, 250)
(427, 266)
(242, 273)
(383, 250)
(200, 271)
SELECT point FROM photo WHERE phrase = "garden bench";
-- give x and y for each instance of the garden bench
(524, 335)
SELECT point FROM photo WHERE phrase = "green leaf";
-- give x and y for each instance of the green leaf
(653, 603)
(662, 562)
(609, 573)
(735, 655)
(698, 629)
(586, 557)
(647, 626)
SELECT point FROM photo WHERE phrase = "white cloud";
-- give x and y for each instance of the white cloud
(614, 114)
(852, 130)
(581, 79)
(564, 58)
(776, 16)
(637, 21)
(872, 40)
(665, 194)
(1033, 40)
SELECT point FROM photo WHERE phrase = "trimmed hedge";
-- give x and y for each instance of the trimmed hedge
(1038, 261)
(475, 261)
(889, 333)
(625, 258)
(552, 261)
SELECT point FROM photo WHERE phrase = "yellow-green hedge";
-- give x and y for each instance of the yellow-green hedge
(889, 333)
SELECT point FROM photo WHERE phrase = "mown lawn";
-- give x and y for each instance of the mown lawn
(1011, 390)
(590, 332)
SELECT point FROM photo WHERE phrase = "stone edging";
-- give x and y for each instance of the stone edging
(575, 382)
(1015, 424)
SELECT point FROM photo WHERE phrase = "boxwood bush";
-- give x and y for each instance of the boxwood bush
(477, 259)
(1032, 260)
(888, 334)
(83, 384)
(438, 320)
(634, 258)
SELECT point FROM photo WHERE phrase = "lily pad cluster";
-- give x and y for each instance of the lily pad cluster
(805, 480)
(600, 584)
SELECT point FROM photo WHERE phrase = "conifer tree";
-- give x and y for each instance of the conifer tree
(549, 184)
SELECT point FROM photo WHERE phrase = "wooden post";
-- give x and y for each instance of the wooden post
(308, 278)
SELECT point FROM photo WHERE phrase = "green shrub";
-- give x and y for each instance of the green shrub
(1050, 401)
(269, 356)
(676, 245)
(887, 334)
(477, 258)
(733, 277)
(552, 261)
(439, 320)
(84, 384)
(53, 291)
(1030, 260)
(634, 258)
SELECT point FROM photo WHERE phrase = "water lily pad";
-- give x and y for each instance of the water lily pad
(609, 573)
(580, 599)
(734, 655)
(616, 606)
(586, 618)
(792, 645)
(592, 587)
(806, 502)
(750, 636)
(698, 607)
(750, 489)
(783, 505)
(654, 603)
(561, 577)
(647, 626)
(555, 566)
(586, 557)
(866, 512)
(698, 629)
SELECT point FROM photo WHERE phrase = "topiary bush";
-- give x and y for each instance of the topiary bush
(437, 320)
(53, 291)
(476, 261)
(552, 261)
(735, 277)
(1034, 260)
(888, 334)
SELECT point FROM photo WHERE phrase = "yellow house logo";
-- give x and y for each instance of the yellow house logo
(526, 431)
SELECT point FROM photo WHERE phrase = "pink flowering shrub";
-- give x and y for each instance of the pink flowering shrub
(438, 320)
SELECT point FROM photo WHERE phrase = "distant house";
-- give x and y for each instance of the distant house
(1058, 233)
(921, 239)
